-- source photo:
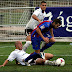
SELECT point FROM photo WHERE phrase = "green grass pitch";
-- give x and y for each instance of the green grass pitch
(60, 49)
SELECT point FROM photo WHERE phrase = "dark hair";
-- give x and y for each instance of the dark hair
(43, 2)
(57, 21)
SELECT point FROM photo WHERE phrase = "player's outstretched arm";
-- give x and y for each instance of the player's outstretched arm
(6, 61)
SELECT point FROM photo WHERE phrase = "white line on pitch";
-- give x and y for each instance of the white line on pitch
(62, 55)
(54, 55)
(14, 46)
(6, 46)
(4, 55)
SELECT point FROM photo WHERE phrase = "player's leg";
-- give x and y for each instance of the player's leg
(39, 61)
(48, 62)
(36, 47)
(28, 39)
(52, 39)
(48, 56)
(28, 42)
(32, 56)
(47, 45)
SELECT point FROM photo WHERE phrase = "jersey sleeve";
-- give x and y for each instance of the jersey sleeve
(12, 56)
(36, 12)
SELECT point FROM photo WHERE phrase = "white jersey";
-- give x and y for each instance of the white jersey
(33, 23)
(19, 55)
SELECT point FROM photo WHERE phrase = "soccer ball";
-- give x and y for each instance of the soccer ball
(60, 62)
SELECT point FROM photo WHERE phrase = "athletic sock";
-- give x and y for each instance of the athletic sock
(46, 46)
(31, 56)
(47, 62)
(26, 45)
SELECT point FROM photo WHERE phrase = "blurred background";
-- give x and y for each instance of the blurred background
(14, 15)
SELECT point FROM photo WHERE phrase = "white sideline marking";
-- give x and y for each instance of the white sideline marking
(4, 55)
(54, 55)
(14, 46)
(62, 55)
(6, 46)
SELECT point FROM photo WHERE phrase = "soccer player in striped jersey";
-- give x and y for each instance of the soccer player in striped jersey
(41, 34)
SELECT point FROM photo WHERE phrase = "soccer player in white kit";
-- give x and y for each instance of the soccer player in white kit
(20, 55)
(36, 18)
(17, 54)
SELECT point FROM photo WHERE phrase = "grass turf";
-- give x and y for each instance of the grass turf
(59, 49)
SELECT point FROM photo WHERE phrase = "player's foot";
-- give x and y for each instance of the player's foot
(26, 63)
(42, 55)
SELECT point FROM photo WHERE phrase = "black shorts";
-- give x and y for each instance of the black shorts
(28, 32)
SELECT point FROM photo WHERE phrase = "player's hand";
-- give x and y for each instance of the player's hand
(46, 39)
(1, 65)
(39, 21)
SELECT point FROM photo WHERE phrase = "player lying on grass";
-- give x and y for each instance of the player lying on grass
(41, 34)
(20, 55)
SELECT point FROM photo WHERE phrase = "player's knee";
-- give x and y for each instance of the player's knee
(39, 61)
(48, 56)
(52, 39)
(52, 55)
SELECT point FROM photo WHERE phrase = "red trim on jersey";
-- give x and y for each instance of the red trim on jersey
(42, 23)
(38, 26)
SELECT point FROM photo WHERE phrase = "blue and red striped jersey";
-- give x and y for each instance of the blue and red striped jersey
(44, 26)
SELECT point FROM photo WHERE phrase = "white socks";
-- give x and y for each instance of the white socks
(43, 44)
(26, 45)
(47, 62)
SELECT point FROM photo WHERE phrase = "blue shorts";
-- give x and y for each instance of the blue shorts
(36, 41)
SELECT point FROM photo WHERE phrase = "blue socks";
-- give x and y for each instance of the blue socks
(31, 56)
(41, 50)
(47, 46)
